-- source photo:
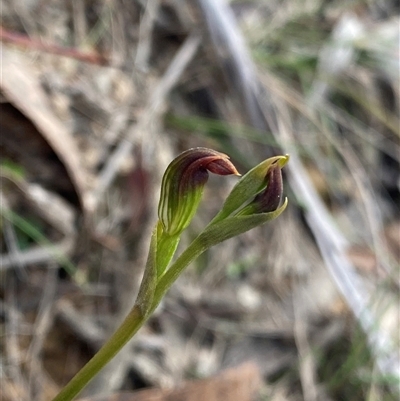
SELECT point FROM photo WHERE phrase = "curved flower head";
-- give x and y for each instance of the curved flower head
(183, 183)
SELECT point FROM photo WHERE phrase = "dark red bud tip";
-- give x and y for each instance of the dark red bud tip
(222, 167)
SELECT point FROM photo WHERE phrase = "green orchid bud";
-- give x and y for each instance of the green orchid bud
(255, 200)
(270, 198)
(183, 183)
(250, 194)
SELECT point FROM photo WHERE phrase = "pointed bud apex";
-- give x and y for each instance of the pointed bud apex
(183, 183)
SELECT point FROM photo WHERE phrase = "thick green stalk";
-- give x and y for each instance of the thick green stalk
(150, 297)
(132, 323)
(124, 333)
(194, 250)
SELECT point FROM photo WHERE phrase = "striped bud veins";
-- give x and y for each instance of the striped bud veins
(183, 183)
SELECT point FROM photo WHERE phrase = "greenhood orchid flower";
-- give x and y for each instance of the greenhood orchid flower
(183, 183)
(181, 190)
(253, 201)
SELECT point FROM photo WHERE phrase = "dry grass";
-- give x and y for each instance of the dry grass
(97, 97)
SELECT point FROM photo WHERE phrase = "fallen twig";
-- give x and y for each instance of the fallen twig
(34, 44)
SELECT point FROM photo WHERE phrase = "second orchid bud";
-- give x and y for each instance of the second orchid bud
(183, 183)
(270, 198)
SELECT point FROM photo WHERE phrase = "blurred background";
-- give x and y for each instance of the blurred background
(98, 96)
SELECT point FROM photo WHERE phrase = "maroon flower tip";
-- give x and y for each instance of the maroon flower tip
(270, 199)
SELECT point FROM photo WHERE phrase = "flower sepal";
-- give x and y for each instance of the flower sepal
(253, 194)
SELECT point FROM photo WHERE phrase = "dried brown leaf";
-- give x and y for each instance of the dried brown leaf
(21, 87)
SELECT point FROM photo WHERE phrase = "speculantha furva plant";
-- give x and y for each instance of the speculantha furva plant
(255, 199)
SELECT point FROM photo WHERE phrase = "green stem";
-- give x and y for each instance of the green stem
(194, 250)
(135, 319)
(124, 333)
